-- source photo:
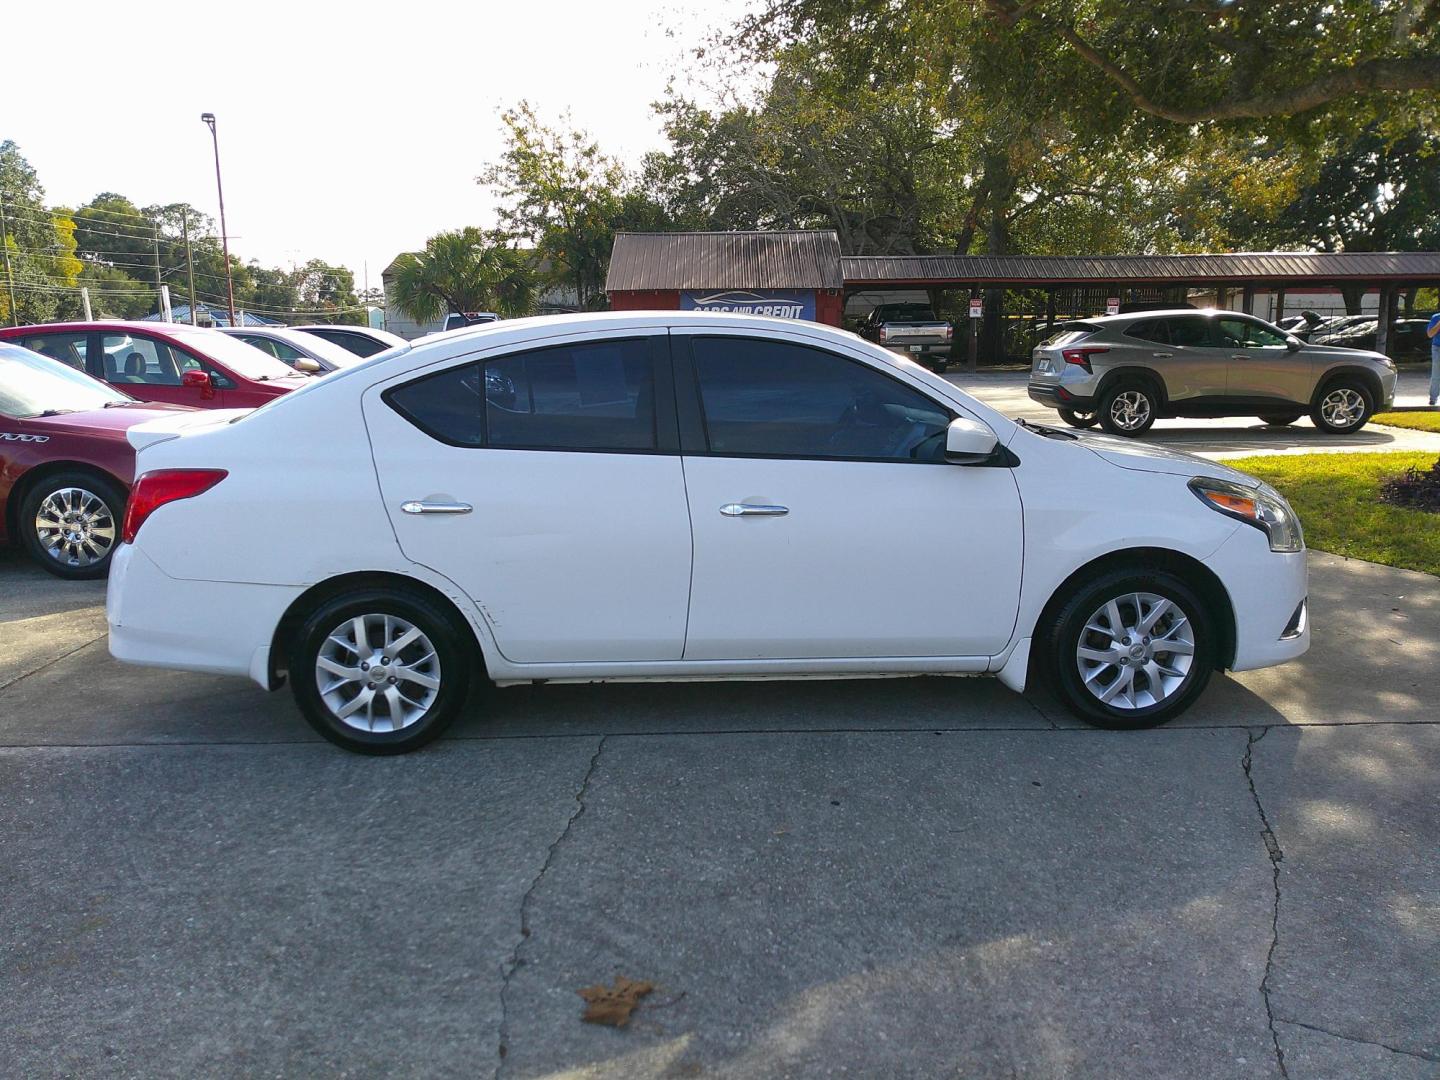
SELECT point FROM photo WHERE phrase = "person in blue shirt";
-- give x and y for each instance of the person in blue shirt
(1432, 331)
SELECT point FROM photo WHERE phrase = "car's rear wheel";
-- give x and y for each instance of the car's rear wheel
(1342, 407)
(1128, 408)
(1130, 649)
(70, 523)
(380, 670)
(1078, 419)
(1280, 419)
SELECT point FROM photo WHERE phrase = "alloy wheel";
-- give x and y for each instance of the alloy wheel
(1343, 407)
(75, 527)
(1136, 651)
(1130, 410)
(377, 673)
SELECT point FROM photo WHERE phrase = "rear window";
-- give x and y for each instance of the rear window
(1157, 330)
(1071, 333)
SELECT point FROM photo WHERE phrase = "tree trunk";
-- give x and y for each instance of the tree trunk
(1354, 298)
(1002, 184)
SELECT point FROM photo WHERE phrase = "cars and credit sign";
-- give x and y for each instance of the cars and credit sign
(781, 305)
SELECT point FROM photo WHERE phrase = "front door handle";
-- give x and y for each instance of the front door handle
(414, 506)
(755, 509)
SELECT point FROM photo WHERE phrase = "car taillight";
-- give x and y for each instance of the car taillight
(883, 335)
(154, 489)
(1080, 356)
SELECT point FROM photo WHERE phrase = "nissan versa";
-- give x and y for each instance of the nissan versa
(682, 495)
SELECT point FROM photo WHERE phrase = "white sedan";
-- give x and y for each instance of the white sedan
(678, 495)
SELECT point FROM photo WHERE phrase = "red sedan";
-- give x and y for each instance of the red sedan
(169, 362)
(65, 464)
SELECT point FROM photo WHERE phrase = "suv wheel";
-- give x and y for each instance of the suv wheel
(70, 523)
(1341, 408)
(1131, 649)
(380, 670)
(1128, 409)
(1280, 419)
(1079, 420)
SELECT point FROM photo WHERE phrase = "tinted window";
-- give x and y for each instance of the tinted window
(1190, 331)
(1150, 330)
(67, 348)
(598, 396)
(1244, 334)
(774, 398)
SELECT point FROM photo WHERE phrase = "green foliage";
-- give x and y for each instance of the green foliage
(1338, 499)
(466, 270)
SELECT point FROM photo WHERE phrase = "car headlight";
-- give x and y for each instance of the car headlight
(1262, 507)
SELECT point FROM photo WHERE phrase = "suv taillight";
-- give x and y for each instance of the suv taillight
(883, 335)
(154, 489)
(1080, 356)
(949, 331)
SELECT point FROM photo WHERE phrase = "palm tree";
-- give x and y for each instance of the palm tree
(465, 270)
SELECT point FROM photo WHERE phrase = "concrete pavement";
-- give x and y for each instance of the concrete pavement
(1238, 436)
(927, 877)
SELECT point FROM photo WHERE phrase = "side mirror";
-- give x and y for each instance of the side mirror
(969, 442)
(199, 380)
(308, 366)
(1292, 343)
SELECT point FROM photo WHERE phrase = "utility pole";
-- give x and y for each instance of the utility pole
(209, 120)
(159, 301)
(9, 278)
(189, 263)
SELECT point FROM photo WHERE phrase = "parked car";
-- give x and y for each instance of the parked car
(305, 353)
(1127, 371)
(685, 495)
(913, 329)
(458, 320)
(1334, 327)
(65, 465)
(360, 340)
(169, 362)
(1407, 338)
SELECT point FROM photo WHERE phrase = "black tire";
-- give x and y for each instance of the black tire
(1060, 639)
(453, 660)
(1079, 420)
(942, 366)
(92, 504)
(1281, 419)
(1324, 415)
(1132, 397)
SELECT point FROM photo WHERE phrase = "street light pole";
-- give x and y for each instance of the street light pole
(209, 121)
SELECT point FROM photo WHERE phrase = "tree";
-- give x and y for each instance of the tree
(321, 287)
(465, 270)
(40, 247)
(565, 197)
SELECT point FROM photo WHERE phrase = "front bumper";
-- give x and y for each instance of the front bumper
(1266, 589)
(1057, 397)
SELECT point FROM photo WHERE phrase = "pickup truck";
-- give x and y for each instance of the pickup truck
(912, 329)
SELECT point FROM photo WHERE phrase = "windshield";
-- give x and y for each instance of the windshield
(239, 357)
(33, 385)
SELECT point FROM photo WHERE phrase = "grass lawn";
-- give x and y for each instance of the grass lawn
(1338, 499)
(1420, 421)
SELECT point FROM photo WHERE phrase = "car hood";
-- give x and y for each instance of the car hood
(1141, 456)
(1347, 352)
(115, 420)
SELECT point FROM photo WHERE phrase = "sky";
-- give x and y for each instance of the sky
(348, 132)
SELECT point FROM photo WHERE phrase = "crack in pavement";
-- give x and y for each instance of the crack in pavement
(513, 963)
(52, 662)
(1420, 1054)
(1272, 848)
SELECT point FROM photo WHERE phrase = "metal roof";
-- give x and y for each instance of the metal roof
(180, 313)
(1266, 266)
(725, 260)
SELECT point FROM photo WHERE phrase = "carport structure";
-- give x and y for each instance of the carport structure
(1080, 285)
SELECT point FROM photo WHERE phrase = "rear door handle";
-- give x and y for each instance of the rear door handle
(755, 509)
(416, 507)
(1162, 355)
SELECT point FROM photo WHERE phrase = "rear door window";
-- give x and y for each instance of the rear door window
(1190, 331)
(1155, 330)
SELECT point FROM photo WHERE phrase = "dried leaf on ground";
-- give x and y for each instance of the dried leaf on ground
(613, 1004)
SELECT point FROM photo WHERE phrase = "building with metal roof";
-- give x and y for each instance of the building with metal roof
(209, 315)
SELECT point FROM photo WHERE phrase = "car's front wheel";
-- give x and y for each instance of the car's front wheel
(1079, 420)
(1130, 649)
(380, 670)
(70, 523)
(1128, 409)
(1341, 408)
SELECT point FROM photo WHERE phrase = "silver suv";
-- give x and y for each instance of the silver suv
(1127, 371)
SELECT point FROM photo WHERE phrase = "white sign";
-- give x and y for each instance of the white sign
(977, 307)
(1112, 306)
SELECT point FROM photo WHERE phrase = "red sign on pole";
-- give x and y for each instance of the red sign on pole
(977, 307)
(1112, 306)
